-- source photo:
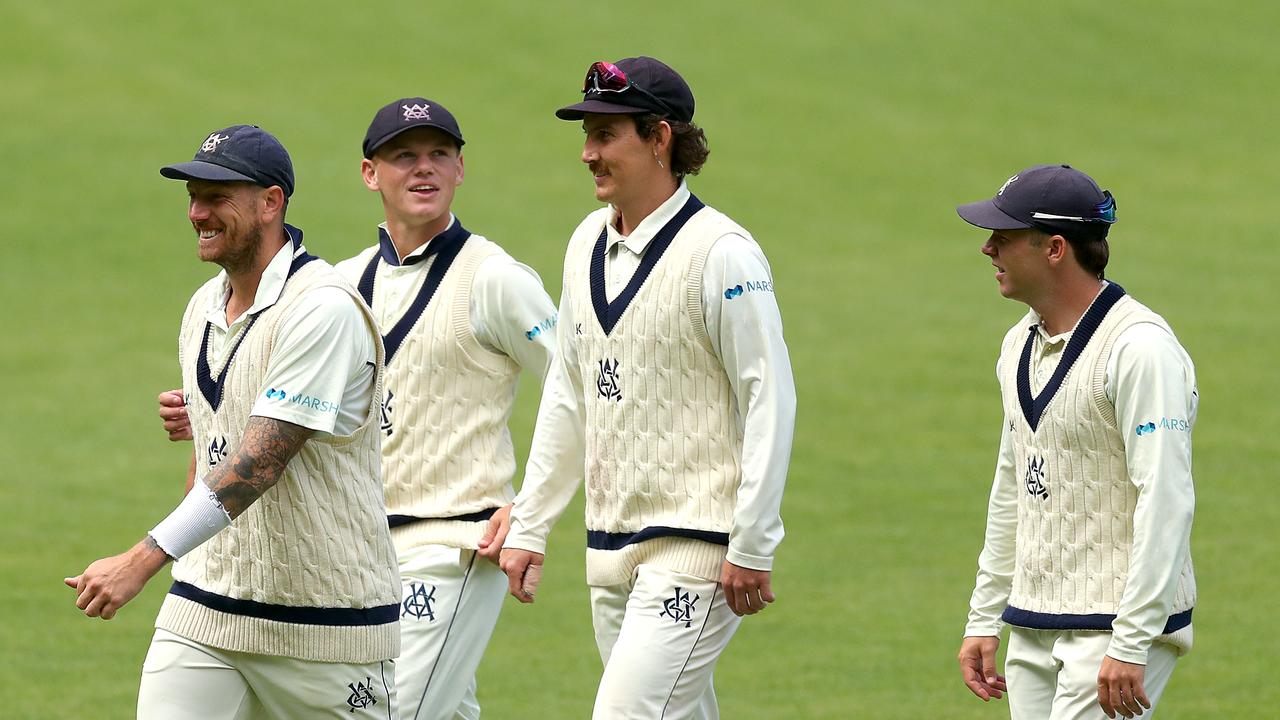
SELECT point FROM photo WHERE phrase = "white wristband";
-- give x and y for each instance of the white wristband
(197, 518)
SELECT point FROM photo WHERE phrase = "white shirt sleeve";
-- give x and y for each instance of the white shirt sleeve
(512, 314)
(1150, 379)
(745, 329)
(996, 562)
(556, 458)
(322, 364)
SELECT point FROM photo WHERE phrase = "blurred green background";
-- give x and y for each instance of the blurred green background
(842, 136)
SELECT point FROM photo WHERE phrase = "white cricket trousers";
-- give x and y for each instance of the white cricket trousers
(659, 637)
(450, 602)
(186, 680)
(1053, 674)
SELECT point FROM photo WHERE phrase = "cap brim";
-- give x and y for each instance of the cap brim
(986, 215)
(578, 110)
(200, 170)
(373, 147)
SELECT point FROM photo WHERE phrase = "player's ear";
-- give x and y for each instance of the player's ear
(461, 169)
(273, 203)
(369, 174)
(1058, 248)
(662, 137)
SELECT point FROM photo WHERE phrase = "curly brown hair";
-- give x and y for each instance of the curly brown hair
(688, 142)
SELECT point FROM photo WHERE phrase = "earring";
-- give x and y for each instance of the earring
(655, 157)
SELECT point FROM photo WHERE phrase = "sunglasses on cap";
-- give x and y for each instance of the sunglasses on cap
(1106, 212)
(605, 77)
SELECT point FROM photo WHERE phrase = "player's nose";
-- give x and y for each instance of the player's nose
(197, 211)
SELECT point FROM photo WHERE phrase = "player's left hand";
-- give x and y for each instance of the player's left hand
(108, 584)
(173, 413)
(495, 533)
(1120, 688)
(746, 591)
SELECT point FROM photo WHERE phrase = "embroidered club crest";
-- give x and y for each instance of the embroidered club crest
(211, 142)
(387, 409)
(607, 380)
(416, 112)
(1035, 478)
(418, 602)
(361, 695)
(680, 607)
(217, 450)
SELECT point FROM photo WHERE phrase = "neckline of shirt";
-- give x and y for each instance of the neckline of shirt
(644, 232)
(270, 285)
(388, 249)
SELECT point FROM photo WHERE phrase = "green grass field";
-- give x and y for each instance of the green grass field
(842, 135)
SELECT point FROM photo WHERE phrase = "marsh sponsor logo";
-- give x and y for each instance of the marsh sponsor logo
(544, 326)
(750, 286)
(305, 401)
(1164, 423)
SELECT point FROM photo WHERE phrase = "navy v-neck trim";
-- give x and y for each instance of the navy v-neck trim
(447, 245)
(1033, 407)
(609, 313)
(212, 386)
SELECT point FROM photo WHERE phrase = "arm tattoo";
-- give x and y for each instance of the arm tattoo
(266, 448)
(150, 543)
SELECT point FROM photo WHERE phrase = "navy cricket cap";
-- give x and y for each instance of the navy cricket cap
(644, 85)
(406, 114)
(1045, 196)
(240, 153)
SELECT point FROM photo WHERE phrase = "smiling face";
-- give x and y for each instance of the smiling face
(228, 218)
(622, 163)
(417, 173)
(1021, 262)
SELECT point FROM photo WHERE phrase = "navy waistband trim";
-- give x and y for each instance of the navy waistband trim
(1052, 621)
(287, 613)
(398, 520)
(601, 540)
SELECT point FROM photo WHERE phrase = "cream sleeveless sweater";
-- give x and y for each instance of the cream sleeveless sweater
(447, 453)
(661, 449)
(1076, 502)
(308, 571)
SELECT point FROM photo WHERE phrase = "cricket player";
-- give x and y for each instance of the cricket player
(1087, 553)
(671, 393)
(284, 602)
(460, 318)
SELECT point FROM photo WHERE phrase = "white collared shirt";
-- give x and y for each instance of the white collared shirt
(324, 350)
(745, 334)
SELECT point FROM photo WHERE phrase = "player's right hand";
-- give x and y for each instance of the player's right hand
(173, 411)
(524, 571)
(978, 667)
(108, 584)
